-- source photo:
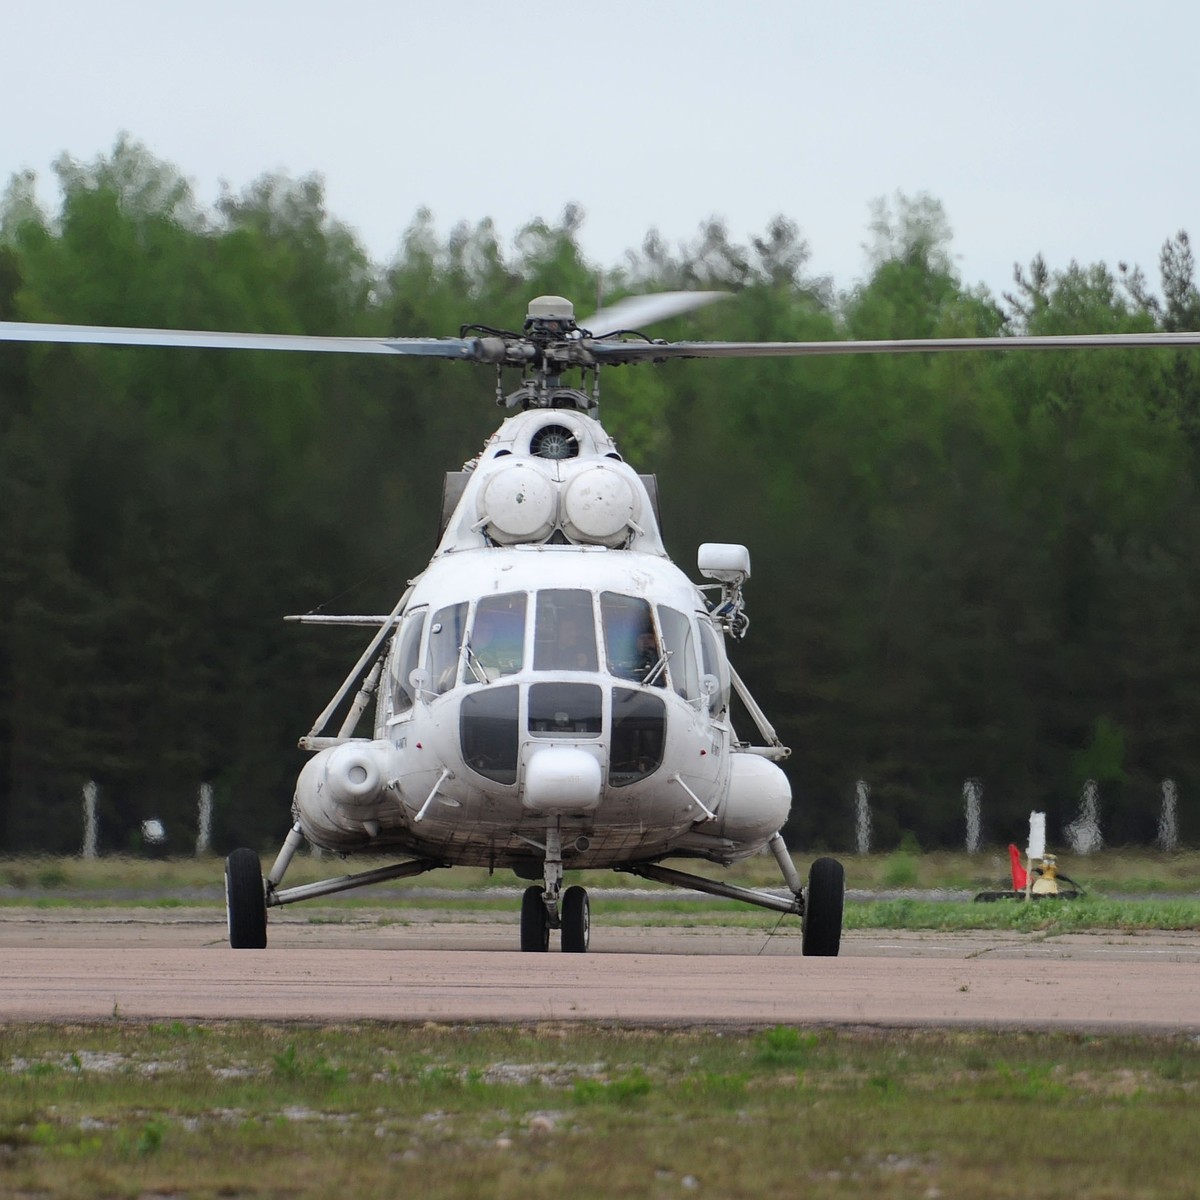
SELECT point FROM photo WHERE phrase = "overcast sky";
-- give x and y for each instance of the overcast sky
(1059, 126)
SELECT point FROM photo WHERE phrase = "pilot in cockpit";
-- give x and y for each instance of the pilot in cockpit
(497, 642)
(572, 652)
(648, 653)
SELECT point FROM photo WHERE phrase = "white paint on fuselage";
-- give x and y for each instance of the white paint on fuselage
(476, 820)
(704, 798)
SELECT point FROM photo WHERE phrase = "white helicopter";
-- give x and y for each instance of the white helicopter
(551, 692)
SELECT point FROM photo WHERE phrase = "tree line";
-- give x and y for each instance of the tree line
(977, 565)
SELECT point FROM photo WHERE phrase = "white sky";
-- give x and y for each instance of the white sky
(1058, 126)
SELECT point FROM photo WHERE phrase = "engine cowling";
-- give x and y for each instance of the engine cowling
(759, 799)
(340, 792)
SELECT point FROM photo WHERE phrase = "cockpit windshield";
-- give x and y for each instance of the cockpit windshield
(631, 646)
(496, 645)
(565, 639)
(641, 644)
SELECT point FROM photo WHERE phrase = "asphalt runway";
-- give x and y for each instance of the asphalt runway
(342, 965)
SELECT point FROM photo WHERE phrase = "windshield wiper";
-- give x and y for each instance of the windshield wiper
(656, 670)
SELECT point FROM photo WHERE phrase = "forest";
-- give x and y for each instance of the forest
(978, 566)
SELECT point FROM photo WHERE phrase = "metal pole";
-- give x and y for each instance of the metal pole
(91, 825)
(204, 820)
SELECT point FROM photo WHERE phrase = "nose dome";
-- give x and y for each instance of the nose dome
(562, 780)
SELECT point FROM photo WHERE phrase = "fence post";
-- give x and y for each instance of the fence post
(91, 824)
(1168, 825)
(204, 820)
(862, 817)
(972, 794)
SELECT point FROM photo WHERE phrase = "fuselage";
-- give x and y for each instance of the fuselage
(540, 677)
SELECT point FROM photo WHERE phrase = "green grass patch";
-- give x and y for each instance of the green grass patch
(1125, 892)
(1125, 870)
(1050, 916)
(261, 1110)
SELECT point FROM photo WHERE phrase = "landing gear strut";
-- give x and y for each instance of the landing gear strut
(819, 905)
(540, 910)
(248, 895)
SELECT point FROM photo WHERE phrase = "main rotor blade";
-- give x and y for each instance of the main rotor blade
(635, 311)
(631, 352)
(110, 335)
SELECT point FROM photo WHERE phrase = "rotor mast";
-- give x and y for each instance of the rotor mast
(549, 323)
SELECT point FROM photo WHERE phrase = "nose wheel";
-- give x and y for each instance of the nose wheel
(535, 921)
(575, 921)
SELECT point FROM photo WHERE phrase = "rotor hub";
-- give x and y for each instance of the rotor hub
(550, 317)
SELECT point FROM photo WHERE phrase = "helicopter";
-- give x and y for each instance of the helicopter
(552, 692)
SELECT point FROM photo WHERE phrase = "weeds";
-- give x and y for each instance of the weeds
(783, 1046)
(534, 1111)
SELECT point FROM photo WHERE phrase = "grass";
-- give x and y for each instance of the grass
(1125, 891)
(197, 1110)
(1128, 870)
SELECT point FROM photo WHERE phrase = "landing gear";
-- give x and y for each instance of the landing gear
(819, 906)
(576, 921)
(823, 900)
(535, 921)
(245, 901)
(541, 912)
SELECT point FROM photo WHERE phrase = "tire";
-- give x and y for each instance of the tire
(535, 921)
(576, 921)
(822, 930)
(245, 901)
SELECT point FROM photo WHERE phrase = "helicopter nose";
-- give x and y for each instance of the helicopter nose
(562, 780)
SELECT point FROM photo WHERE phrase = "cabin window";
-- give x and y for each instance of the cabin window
(680, 644)
(497, 642)
(405, 659)
(565, 637)
(714, 662)
(565, 710)
(639, 727)
(489, 733)
(445, 645)
(631, 646)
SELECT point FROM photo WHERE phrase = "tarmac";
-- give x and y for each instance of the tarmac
(332, 964)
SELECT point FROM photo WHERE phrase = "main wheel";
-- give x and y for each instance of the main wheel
(245, 901)
(823, 908)
(576, 920)
(535, 921)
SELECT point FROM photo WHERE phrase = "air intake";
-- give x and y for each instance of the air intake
(554, 442)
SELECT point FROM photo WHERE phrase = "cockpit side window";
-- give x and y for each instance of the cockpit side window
(714, 662)
(631, 645)
(565, 636)
(497, 642)
(677, 634)
(445, 646)
(405, 659)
